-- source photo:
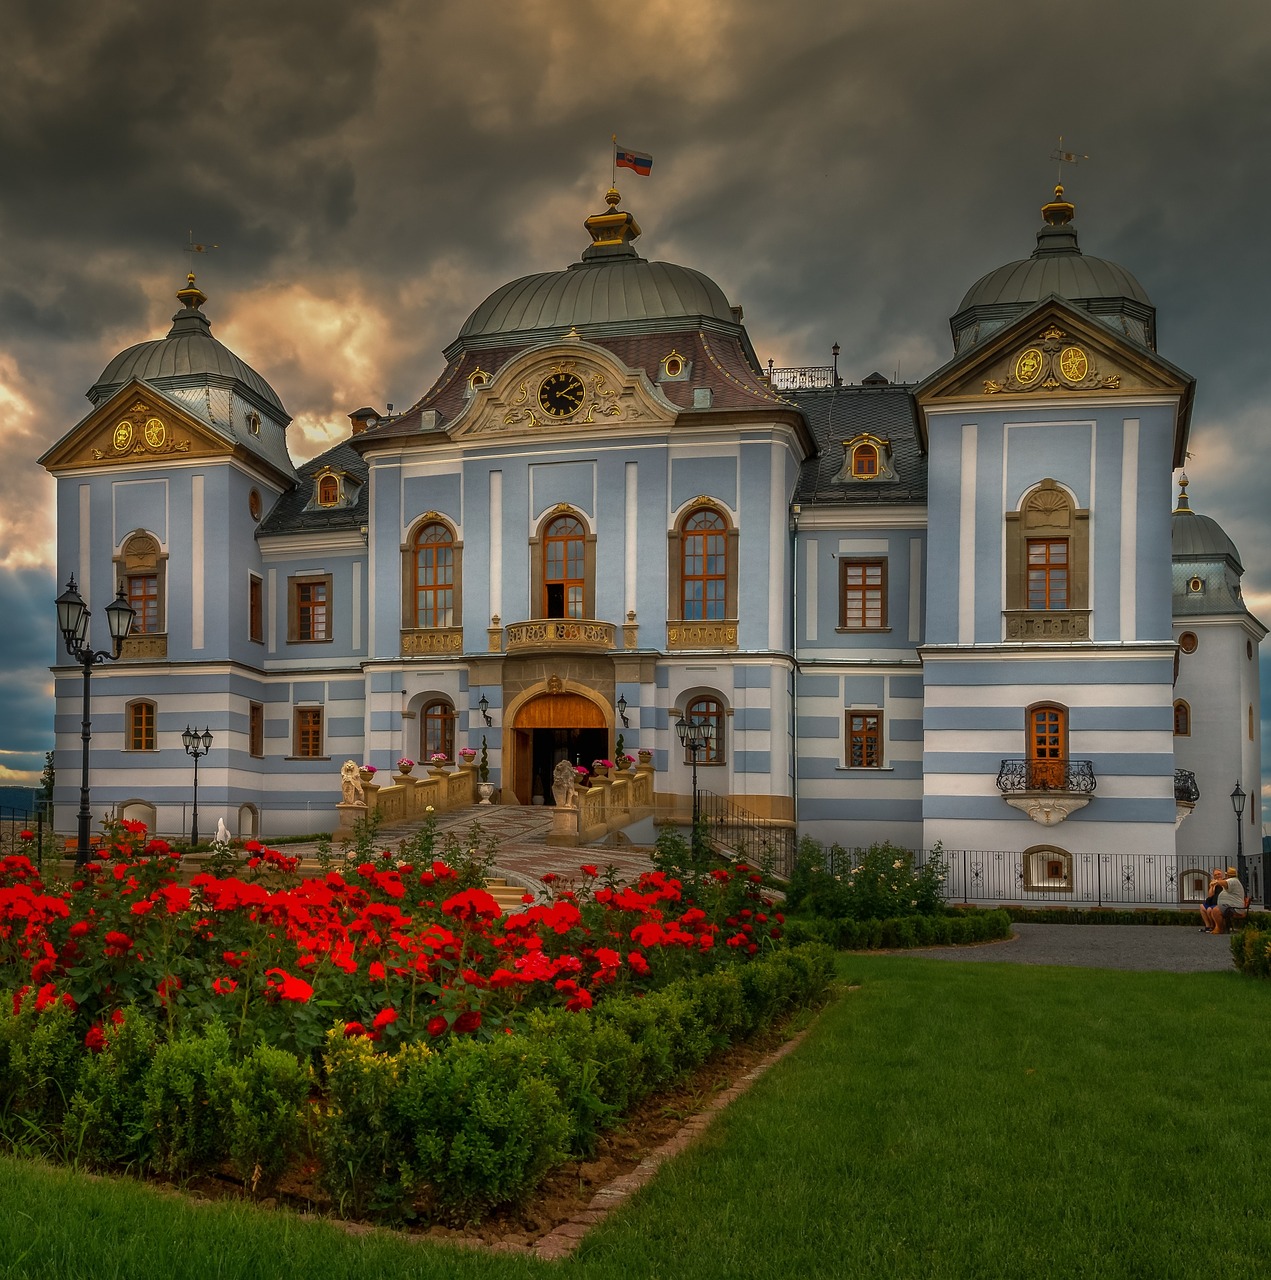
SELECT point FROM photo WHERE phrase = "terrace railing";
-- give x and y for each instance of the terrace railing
(746, 837)
(1072, 777)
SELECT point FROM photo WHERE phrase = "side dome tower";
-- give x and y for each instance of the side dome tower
(1207, 568)
(1057, 266)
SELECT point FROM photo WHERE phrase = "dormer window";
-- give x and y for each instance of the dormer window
(866, 458)
(328, 491)
(477, 378)
(253, 423)
(675, 367)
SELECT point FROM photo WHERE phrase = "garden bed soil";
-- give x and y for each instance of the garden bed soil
(562, 1204)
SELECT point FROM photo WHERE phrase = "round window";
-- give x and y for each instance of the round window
(254, 504)
(1187, 642)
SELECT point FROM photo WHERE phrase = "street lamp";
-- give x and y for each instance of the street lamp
(72, 621)
(196, 744)
(1238, 804)
(622, 711)
(484, 706)
(695, 736)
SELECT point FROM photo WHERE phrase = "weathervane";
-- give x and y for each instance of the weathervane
(1065, 157)
(191, 247)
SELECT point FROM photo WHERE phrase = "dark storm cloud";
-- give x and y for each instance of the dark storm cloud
(845, 171)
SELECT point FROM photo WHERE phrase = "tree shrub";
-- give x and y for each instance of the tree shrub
(266, 1092)
(105, 1124)
(883, 882)
(182, 1110)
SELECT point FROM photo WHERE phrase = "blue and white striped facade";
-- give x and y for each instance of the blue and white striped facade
(948, 672)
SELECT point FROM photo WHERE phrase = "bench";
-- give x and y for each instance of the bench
(1238, 915)
(70, 846)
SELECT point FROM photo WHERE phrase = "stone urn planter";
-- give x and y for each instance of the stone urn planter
(367, 775)
(646, 757)
(485, 790)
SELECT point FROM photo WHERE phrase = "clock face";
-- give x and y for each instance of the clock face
(560, 394)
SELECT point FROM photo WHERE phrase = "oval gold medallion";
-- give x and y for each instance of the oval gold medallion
(156, 432)
(1028, 366)
(1073, 364)
(122, 437)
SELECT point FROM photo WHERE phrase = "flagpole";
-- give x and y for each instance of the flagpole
(613, 162)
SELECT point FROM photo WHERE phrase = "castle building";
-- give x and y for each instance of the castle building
(940, 612)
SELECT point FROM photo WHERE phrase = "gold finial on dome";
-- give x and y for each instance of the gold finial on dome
(611, 232)
(192, 296)
(1058, 212)
(1182, 495)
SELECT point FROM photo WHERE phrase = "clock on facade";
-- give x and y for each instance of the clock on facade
(560, 394)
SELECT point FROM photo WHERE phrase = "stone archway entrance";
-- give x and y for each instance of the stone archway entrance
(547, 729)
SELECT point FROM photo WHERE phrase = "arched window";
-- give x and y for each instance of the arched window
(564, 571)
(328, 491)
(704, 580)
(434, 576)
(437, 732)
(142, 567)
(865, 461)
(1047, 567)
(708, 710)
(1047, 747)
(141, 717)
(1182, 719)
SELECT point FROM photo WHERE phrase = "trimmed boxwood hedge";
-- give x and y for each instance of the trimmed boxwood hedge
(902, 932)
(449, 1132)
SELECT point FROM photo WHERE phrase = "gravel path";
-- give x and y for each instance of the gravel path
(1168, 948)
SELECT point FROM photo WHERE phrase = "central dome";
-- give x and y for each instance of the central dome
(612, 290)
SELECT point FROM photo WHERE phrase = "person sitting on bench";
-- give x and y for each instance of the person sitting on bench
(1209, 914)
(1231, 898)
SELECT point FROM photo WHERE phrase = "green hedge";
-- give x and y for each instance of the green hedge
(1251, 950)
(450, 1133)
(903, 932)
(1114, 915)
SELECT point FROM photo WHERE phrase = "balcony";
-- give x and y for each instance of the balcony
(560, 635)
(702, 635)
(1048, 791)
(1047, 624)
(1186, 793)
(423, 640)
(145, 647)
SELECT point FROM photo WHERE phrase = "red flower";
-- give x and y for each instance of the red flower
(287, 987)
(467, 1022)
(354, 1029)
(436, 1026)
(589, 870)
(80, 928)
(472, 904)
(637, 962)
(579, 1000)
(166, 987)
(385, 1018)
(376, 971)
(142, 908)
(117, 1017)
(26, 835)
(117, 944)
(224, 986)
(95, 1039)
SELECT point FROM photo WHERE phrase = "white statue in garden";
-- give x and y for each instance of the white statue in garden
(222, 837)
(351, 783)
(565, 786)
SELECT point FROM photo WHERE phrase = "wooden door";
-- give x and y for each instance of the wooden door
(1047, 748)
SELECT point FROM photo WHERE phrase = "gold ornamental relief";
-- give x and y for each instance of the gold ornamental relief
(156, 432)
(1028, 366)
(126, 441)
(1073, 364)
(121, 438)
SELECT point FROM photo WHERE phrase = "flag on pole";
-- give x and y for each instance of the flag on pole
(640, 161)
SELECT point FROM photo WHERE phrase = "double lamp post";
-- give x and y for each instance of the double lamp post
(695, 736)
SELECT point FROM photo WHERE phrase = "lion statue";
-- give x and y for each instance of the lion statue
(565, 786)
(351, 783)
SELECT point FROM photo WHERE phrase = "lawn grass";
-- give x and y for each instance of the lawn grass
(943, 1120)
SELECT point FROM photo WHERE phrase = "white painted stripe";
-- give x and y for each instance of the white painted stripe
(357, 604)
(84, 576)
(915, 590)
(631, 532)
(811, 603)
(1023, 695)
(196, 565)
(496, 546)
(1129, 527)
(271, 609)
(966, 538)
(777, 515)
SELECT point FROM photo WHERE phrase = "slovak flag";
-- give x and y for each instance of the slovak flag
(641, 162)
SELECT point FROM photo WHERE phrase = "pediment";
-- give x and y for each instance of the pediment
(562, 388)
(1054, 350)
(137, 426)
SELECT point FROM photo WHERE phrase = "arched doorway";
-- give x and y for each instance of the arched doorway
(550, 728)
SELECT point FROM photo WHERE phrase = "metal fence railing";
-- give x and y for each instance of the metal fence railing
(1052, 877)
(746, 837)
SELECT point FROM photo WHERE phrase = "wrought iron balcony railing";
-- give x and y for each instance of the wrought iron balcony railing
(1071, 777)
(1185, 789)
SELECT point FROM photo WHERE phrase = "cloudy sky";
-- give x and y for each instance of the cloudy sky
(845, 169)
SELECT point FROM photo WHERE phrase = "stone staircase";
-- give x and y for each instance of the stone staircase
(508, 896)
